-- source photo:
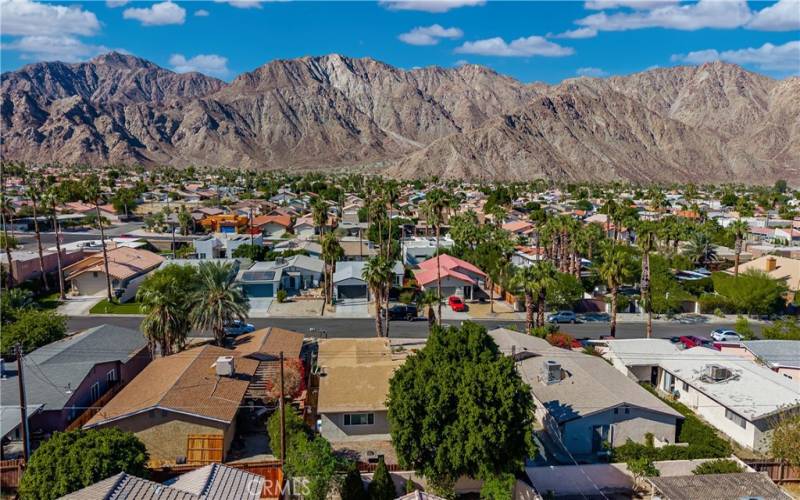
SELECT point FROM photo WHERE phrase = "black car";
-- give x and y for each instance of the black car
(403, 312)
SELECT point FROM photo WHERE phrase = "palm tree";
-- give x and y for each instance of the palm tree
(615, 269)
(91, 190)
(332, 252)
(701, 249)
(218, 300)
(435, 204)
(184, 219)
(534, 281)
(163, 301)
(377, 273)
(51, 199)
(646, 239)
(7, 213)
(35, 188)
(319, 212)
(739, 228)
(428, 299)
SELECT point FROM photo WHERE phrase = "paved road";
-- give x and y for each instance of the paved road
(362, 328)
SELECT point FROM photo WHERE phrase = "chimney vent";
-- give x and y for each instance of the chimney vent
(772, 264)
(718, 373)
(224, 366)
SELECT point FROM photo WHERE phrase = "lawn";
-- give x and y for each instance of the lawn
(104, 307)
(48, 301)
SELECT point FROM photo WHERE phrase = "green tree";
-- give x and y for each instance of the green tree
(564, 293)
(646, 238)
(296, 429)
(742, 327)
(69, 461)
(785, 441)
(782, 329)
(93, 194)
(382, 487)
(718, 466)
(752, 292)
(615, 269)
(377, 274)
(641, 468)
(534, 281)
(313, 460)
(332, 252)
(124, 200)
(701, 249)
(253, 252)
(32, 329)
(739, 229)
(352, 487)
(458, 407)
(499, 487)
(428, 300)
(164, 300)
(218, 300)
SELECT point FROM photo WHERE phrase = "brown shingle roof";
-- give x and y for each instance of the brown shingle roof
(270, 342)
(184, 382)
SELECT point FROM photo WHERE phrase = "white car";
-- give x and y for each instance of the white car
(238, 327)
(725, 335)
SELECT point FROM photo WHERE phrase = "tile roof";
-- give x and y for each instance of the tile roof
(281, 220)
(123, 262)
(185, 383)
(450, 262)
(718, 487)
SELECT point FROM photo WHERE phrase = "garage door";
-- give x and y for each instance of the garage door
(352, 291)
(258, 290)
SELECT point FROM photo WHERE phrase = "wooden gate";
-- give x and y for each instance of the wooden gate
(204, 449)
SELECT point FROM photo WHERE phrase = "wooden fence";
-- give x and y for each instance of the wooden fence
(96, 407)
(10, 474)
(369, 467)
(204, 449)
(779, 472)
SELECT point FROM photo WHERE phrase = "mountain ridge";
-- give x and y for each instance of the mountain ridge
(681, 123)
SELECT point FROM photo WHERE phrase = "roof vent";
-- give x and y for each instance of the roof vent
(551, 372)
(718, 373)
(224, 366)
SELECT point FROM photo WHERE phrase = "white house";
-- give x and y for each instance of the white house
(418, 249)
(222, 245)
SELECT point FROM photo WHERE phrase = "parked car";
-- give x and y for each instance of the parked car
(456, 304)
(563, 317)
(402, 311)
(594, 317)
(690, 341)
(725, 335)
(238, 327)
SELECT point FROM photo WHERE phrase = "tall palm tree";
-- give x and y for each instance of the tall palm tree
(92, 193)
(435, 203)
(319, 213)
(701, 249)
(332, 252)
(35, 189)
(427, 300)
(646, 234)
(739, 228)
(164, 303)
(615, 270)
(218, 300)
(534, 281)
(377, 273)
(51, 199)
(7, 214)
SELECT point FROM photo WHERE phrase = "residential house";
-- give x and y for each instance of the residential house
(223, 245)
(305, 228)
(292, 274)
(419, 248)
(225, 223)
(738, 397)
(583, 403)
(312, 248)
(349, 283)
(521, 228)
(26, 267)
(357, 249)
(272, 226)
(780, 356)
(780, 268)
(65, 378)
(458, 277)
(353, 387)
(197, 392)
(126, 266)
(283, 197)
(211, 482)
(265, 346)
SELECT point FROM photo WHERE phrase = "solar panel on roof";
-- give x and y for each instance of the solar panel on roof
(259, 275)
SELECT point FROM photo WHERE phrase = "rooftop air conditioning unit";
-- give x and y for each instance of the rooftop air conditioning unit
(551, 372)
(224, 366)
(718, 373)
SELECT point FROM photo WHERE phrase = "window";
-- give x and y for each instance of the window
(95, 274)
(95, 391)
(359, 418)
(685, 387)
(616, 411)
(669, 382)
(737, 419)
(111, 376)
(627, 410)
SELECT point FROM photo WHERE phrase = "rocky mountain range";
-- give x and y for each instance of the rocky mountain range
(709, 123)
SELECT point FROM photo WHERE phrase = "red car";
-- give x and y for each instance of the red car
(456, 304)
(694, 341)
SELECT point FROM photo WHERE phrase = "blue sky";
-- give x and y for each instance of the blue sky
(546, 41)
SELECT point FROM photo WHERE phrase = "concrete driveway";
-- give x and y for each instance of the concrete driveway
(259, 306)
(352, 308)
(80, 305)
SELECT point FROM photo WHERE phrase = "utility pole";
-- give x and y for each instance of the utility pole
(23, 408)
(251, 228)
(283, 418)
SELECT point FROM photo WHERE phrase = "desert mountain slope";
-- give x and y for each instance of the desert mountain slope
(707, 123)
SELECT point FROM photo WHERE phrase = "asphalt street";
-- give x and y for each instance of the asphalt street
(364, 328)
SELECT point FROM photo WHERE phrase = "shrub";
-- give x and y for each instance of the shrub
(742, 327)
(720, 466)
(352, 487)
(382, 487)
(407, 296)
(282, 295)
(562, 340)
(32, 329)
